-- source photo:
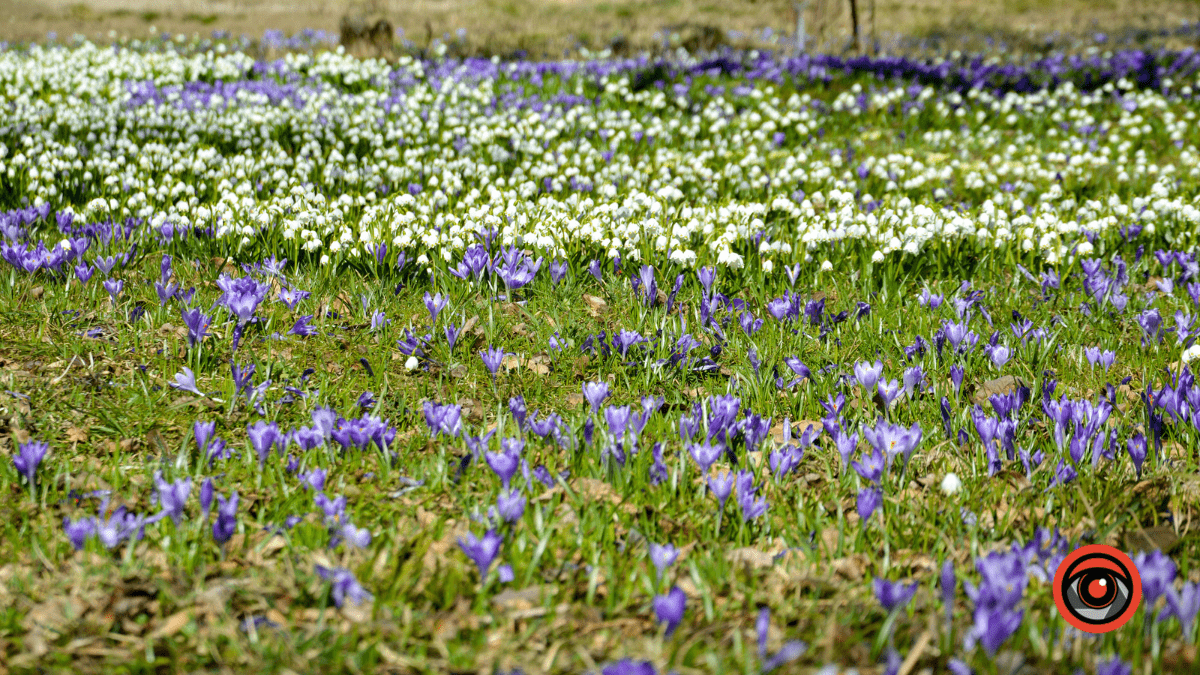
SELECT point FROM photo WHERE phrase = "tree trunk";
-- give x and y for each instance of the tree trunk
(854, 22)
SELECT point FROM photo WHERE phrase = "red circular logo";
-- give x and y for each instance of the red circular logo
(1097, 588)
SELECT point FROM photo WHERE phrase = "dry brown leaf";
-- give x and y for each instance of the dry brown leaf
(564, 516)
(539, 364)
(751, 558)
(226, 266)
(597, 490)
(49, 620)
(1157, 538)
(173, 624)
(798, 428)
(76, 435)
(524, 599)
(595, 306)
(472, 326)
(851, 568)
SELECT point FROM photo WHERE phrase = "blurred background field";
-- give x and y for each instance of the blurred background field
(548, 27)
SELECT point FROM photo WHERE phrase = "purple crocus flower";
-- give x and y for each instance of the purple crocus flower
(993, 627)
(314, 479)
(301, 327)
(1137, 452)
(435, 304)
(959, 667)
(705, 454)
(78, 531)
(165, 292)
(510, 505)
(956, 376)
(505, 462)
(558, 270)
(1114, 666)
(790, 651)
(263, 437)
(516, 406)
(595, 393)
(721, 486)
(292, 297)
(106, 264)
(241, 296)
(241, 376)
(868, 374)
(629, 666)
(505, 574)
(751, 505)
(594, 270)
(345, 586)
(1151, 324)
(206, 496)
(762, 629)
(172, 496)
(114, 286)
(443, 419)
(871, 467)
(119, 526)
(334, 509)
(797, 366)
(185, 380)
(707, 276)
(197, 324)
(869, 499)
(889, 391)
(999, 355)
(379, 321)
(663, 556)
(84, 272)
(226, 522)
(846, 445)
(948, 585)
(1157, 572)
(648, 286)
(28, 458)
(492, 358)
(625, 340)
(1183, 605)
(793, 273)
(893, 595)
(355, 537)
(617, 418)
(669, 608)
(451, 336)
(482, 551)
(203, 431)
(913, 377)
(893, 439)
(780, 308)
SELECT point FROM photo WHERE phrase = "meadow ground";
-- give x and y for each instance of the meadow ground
(724, 362)
(549, 26)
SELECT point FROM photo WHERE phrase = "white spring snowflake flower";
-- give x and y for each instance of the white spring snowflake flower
(1190, 354)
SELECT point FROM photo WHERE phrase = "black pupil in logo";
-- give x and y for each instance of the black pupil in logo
(1097, 594)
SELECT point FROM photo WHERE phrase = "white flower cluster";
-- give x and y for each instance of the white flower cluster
(320, 153)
